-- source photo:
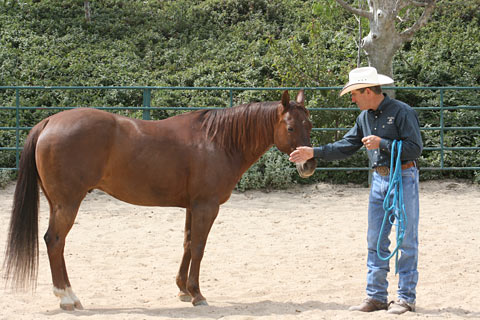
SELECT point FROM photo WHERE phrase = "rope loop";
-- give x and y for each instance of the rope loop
(393, 204)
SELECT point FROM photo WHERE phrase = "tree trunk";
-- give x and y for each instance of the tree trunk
(383, 40)
(86, 6)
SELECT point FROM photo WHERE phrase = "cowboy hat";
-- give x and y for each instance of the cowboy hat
(363, 78)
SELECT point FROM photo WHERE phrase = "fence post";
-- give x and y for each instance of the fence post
(147, 97)
(442, 129)
(17, 129)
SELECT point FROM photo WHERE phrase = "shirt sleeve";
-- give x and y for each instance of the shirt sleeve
(343, 148)
(409, 128)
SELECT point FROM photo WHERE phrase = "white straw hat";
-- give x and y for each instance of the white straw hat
(363, 78)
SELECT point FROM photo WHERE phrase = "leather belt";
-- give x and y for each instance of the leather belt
(385, 171)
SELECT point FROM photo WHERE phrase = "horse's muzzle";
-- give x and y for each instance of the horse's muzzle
(306, 169)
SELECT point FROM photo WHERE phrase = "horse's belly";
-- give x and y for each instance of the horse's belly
(145, 200)
(140, 192)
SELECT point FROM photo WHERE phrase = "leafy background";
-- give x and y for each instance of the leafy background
(234, 43)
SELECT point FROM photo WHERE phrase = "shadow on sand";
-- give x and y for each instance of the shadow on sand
(254, 309)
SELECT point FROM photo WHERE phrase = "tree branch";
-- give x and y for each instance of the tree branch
(421, 3)
(356, 11)
(406, 17)
(422, 21)
(401, 4)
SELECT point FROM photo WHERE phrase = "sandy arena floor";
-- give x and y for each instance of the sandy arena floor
(296, 254)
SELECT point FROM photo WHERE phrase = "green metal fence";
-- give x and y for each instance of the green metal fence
(147, 108)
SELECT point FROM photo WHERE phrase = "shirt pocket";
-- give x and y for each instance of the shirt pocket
(389, 131)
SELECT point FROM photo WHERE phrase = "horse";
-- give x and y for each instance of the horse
(192, 161)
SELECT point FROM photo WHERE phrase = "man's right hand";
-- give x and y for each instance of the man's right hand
(301, 154)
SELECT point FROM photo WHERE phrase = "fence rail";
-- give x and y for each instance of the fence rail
(147, 108)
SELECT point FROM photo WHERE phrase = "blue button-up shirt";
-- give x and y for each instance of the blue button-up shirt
(393, 120)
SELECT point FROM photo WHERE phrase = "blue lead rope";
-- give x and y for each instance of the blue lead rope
(395, 211)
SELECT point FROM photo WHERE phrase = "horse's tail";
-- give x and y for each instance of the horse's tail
(21, 256)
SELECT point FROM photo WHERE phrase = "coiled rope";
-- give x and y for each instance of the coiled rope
(394, 211)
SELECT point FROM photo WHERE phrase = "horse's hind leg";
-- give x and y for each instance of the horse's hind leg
(182, 275)
(76, 302)
(60, 223)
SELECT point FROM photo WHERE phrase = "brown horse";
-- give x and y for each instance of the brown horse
(192, 161)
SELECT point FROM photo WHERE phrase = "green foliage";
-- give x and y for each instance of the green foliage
(5, 177)
(445, 51)
(235, 43)
(271, 171)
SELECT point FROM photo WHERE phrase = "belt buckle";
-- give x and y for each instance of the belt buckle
(383, 171)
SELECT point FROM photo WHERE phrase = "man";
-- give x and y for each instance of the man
(381, 121)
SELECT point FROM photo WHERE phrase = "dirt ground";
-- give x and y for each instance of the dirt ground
(296, 254)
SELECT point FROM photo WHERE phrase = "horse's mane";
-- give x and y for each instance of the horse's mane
(246, 126)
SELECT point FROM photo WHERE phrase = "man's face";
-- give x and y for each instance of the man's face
(363, 100)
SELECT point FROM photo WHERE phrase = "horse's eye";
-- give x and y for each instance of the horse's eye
(290, 129)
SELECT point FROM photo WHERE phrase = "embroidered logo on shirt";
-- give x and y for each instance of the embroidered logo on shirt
(390, 120)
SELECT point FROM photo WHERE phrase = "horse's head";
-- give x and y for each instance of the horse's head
(293, 130)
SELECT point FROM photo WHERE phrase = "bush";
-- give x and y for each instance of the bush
(244, 43)
(271, 171)
(5, 177)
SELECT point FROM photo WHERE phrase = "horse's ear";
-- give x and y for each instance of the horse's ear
(285, 101)
(301, 98)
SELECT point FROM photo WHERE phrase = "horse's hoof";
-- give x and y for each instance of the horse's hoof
(78, 305)
(185, 297)
(67, 307)
(200, 303)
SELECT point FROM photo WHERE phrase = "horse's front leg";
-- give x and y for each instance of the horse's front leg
(203, 216)
(182, 274)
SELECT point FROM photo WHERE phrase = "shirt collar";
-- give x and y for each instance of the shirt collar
(386, 100)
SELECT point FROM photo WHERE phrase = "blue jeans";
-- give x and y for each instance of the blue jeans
(377, 283)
